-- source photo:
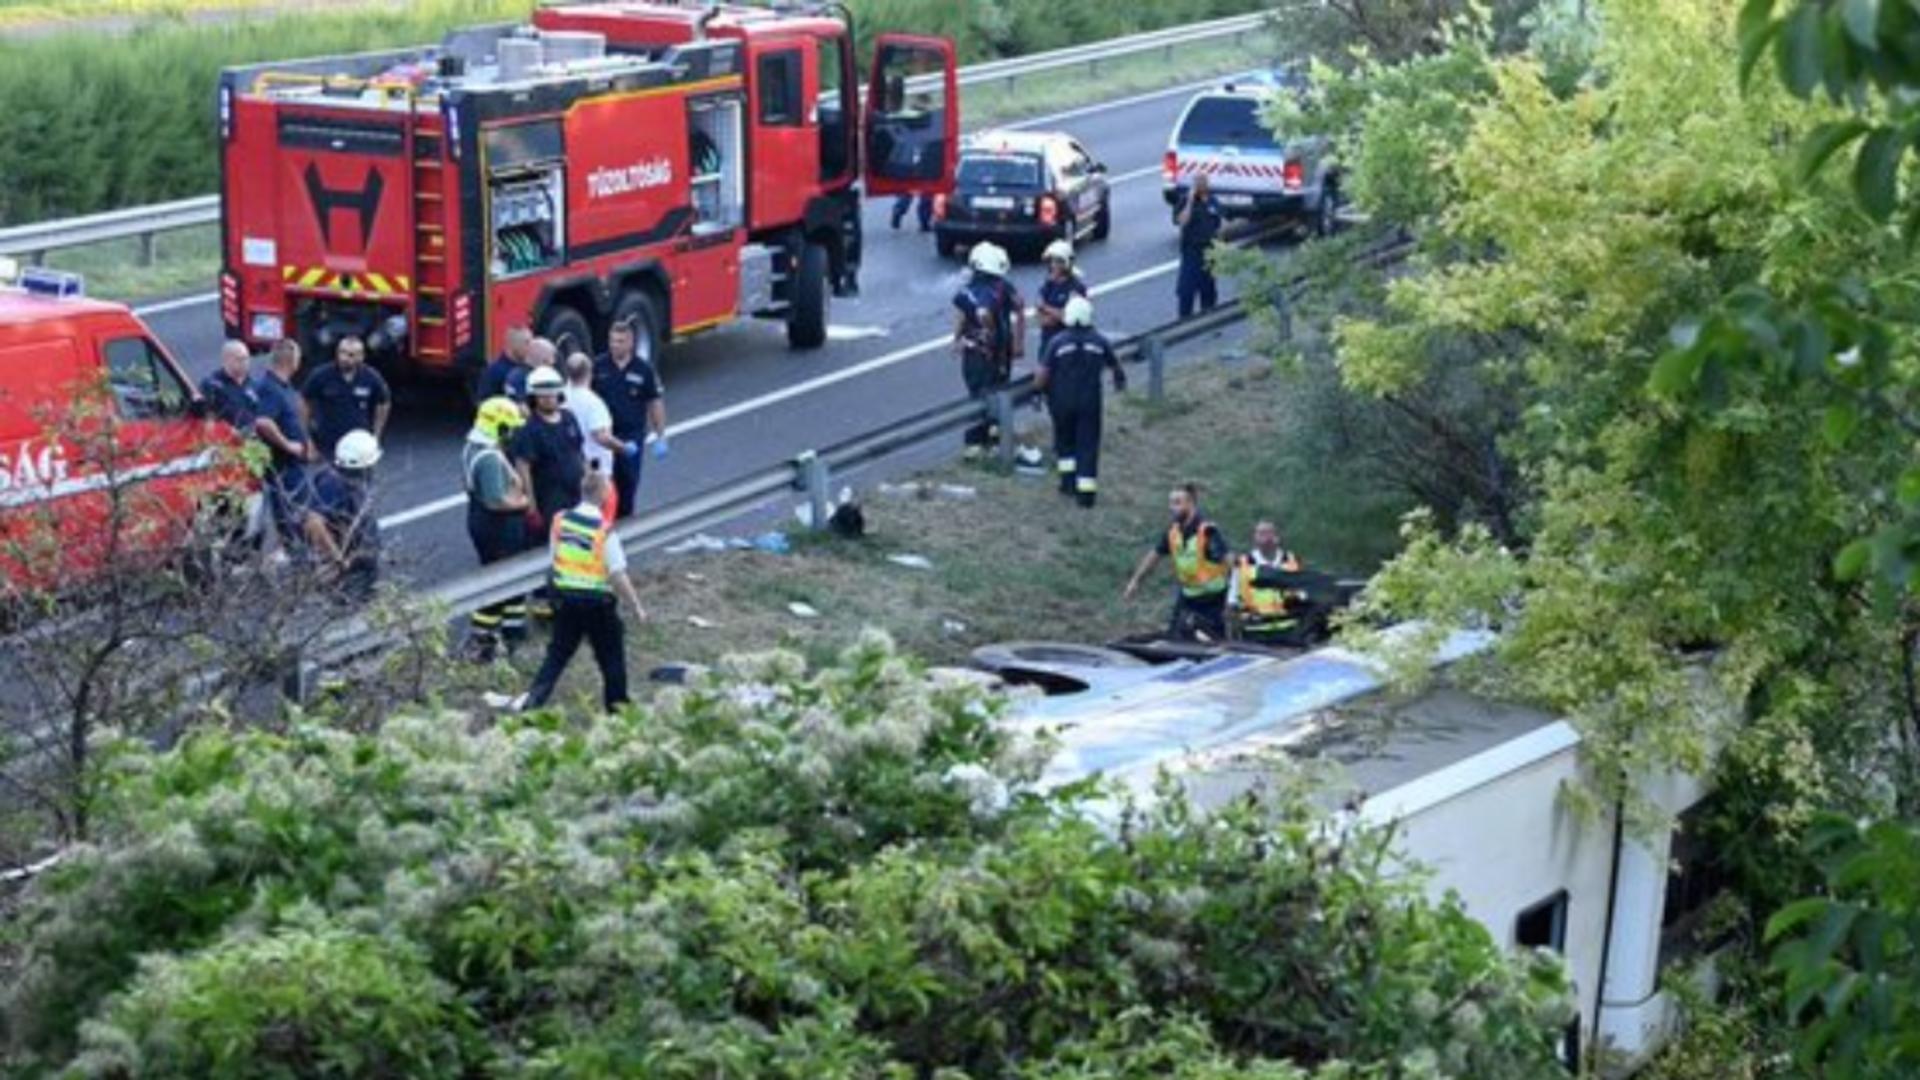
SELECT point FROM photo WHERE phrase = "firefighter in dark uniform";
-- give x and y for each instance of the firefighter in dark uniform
(1063, 283)
(340, 524)
(232, 394)
(1070, 369)
(496, 519)
(1200, 568)
(989, 331)
(631, 388)
(546, 453)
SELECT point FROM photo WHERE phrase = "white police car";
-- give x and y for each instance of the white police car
(1254, 173)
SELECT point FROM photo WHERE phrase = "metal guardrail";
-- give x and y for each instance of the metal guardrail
(146, 222)
(809, 475)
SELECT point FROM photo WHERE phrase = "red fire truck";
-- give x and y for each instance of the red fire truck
(679, 166)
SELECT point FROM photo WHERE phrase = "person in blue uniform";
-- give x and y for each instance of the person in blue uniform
(231, 392)
(341, 527)
(281, 424)
(506, 375)
(1062, 284)
(1199, 221)
(989, 331)
(346, 395)
(1070, 369)
(630, 386)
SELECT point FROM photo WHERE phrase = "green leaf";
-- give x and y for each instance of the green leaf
(1876, 174)
(1797, 49)
(1674, 373)
(1841, 421)
(1848, 565)
(1862, 19)
(1756, 29)
(1909, 488)
(1824, 142)
(1791, 916)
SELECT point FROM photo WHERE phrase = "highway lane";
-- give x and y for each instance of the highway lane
(740, 400)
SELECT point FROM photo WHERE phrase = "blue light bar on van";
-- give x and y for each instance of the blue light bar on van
(44, 282)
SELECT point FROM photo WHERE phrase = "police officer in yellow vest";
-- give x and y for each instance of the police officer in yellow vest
(1268, 612)
(588, 579)
(1200, 567)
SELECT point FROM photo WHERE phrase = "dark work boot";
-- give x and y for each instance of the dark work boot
(1066, 483)
(1086, 498)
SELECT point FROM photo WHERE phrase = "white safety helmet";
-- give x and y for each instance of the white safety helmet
(988, 257)
(1078, 312)
(545, 380)
(357, 449)
(1058, 251)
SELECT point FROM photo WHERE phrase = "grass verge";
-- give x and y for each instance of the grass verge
(1017, 561)
(189, 259)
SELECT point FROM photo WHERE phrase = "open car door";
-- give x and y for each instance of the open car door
(913, 116)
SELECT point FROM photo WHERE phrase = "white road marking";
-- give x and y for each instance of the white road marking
(836, 332)
(788, 393)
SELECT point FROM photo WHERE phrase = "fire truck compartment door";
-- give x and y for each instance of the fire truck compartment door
(343, 190)
(913, 115)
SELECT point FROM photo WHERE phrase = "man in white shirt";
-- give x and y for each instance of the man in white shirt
(596, 422)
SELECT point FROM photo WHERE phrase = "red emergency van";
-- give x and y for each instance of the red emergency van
(105, 453)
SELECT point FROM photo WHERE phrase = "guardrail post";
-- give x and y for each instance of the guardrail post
(36, 258)
(147, 243)
(1283, 310)
(1155, 355)
(1001, 405)
(815, 478)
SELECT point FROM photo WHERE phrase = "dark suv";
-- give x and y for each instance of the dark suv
(1023, 189)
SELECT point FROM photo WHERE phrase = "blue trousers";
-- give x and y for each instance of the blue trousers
(901, 203)
(1196, 283)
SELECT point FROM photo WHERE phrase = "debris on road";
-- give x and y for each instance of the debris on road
(700, 542)
(773, 543)
(921, 489)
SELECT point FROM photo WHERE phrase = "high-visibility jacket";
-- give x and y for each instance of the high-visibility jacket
(1199, 575)
(1262, 608)
(580, 554)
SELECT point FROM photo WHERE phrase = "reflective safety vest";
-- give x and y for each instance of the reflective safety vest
(580, 554)
(1199, 575)
(1264, 608)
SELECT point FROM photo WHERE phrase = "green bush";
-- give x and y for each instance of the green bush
(89, 123)
(774, 874)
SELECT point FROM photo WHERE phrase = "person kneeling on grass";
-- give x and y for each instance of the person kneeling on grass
(588, 579)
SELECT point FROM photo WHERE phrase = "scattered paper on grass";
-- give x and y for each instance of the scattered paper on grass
(911, 561)
(953, 626)
(803, 611)
(697, 542)
(699, 623)
(697, 579)
(958, 492)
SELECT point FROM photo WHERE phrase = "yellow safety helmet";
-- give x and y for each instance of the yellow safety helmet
(498, 418)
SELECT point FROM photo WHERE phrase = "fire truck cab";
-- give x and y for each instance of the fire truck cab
(676, 166)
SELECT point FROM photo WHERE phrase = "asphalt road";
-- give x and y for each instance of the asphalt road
(739, 400)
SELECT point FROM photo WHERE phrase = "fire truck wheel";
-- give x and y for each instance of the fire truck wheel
(807, 320)
(637, 307)
(569, 330)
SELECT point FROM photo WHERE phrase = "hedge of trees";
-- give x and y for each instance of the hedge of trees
(776, 873)
(91, 122)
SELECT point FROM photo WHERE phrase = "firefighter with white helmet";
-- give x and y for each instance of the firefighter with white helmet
(1069, 373)
(1063, 283)
(340, 524)
(989, 330)
(546, 452)
(496, 518)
